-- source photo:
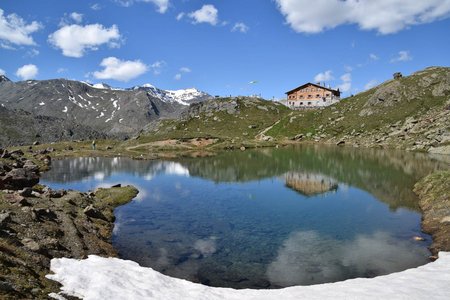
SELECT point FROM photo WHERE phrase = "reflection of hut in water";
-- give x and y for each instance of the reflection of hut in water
(310, 184)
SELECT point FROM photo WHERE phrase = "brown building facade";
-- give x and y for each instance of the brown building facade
(312, 95)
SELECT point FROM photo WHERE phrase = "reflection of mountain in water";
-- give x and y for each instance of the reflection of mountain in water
(310, 184)
(388, 175)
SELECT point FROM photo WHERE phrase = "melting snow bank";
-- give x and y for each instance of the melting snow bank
(112, 278)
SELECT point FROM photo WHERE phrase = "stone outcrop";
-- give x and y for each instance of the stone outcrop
(434, 194)
(38, 224)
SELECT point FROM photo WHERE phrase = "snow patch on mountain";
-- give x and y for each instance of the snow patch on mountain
(183, 97)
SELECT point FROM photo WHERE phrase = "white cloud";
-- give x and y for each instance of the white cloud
(74, 39)
(373, 56)
(384, 16)
(162, 5)
(96, 6)
(120, 70)
(2, 72)
(32, 53)
(346, 77)
(402, 56)
(241, 27)
(157, 67)
(178, 76)
(77, 17)
(346, 84)
(27, 72)
(325, 76)
(207, 14)
(180, 16)
(61, 70)
(15, 31)
(370, 84)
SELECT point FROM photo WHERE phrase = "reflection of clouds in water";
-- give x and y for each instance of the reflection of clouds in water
(206, 246)
(99, 175)
(148, 177)
(173, 168)
(309, 258)
(163, 258)
(183, 192)
(168, 168)
(121, 222)
(116, 228)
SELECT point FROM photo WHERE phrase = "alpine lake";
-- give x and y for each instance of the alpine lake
(265, 218)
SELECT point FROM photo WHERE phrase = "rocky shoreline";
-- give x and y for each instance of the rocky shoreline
(434, 195)
(38, 224)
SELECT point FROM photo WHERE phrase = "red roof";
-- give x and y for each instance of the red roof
(316, 85)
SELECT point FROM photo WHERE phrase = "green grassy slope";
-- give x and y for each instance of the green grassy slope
(388, 104)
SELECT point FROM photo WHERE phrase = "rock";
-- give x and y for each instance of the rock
(445, 220)
(31, 245)
(35, 143)
(267, 138)
(440, 150)
(108, 148)
(4, 218)
(26, 192)
(116, 185)
(6, 286)
(92, 212)
(30, 166)
(35, 194)
(41, 214)
(54, 194)
(340, 143)
(23, 202)
(50, 150)
(242, 148)
(252, 126)
(309, 134)
(47, 160)
(17, 152)
(298, 137)
(4, 154)
(19, 178)
(69, 148)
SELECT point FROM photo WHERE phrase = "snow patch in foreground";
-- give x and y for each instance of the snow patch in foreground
(112, 278)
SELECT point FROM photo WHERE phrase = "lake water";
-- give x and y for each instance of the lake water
(265, 218)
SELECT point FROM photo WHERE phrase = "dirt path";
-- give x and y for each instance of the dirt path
(262, 135)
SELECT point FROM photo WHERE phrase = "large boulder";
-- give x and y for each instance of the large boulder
(17, 179)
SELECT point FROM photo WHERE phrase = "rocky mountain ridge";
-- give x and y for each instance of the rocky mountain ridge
(116, 113)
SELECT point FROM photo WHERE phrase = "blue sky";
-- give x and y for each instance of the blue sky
(222, 46)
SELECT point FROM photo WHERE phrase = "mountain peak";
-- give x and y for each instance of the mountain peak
(3, 78)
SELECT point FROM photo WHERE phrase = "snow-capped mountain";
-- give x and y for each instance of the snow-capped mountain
(183, 97)
(112, 111)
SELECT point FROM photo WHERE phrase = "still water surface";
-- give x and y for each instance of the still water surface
(265, 218)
